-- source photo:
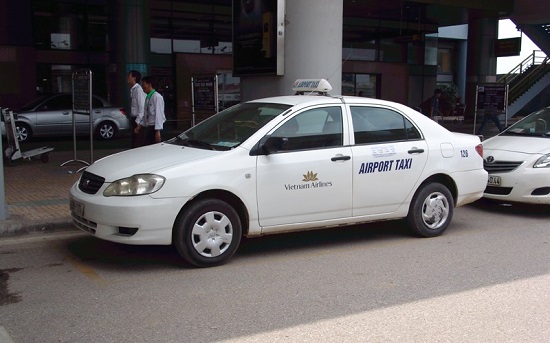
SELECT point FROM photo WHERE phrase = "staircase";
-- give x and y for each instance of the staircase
(526, 81)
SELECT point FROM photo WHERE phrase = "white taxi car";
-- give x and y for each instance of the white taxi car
(518, 161)
(281, 164)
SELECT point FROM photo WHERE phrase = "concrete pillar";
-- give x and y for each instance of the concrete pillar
(462, 55)
(313, 49)
(481, 64)
(130, 45)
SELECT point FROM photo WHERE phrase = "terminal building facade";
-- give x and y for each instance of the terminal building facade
(388, 49)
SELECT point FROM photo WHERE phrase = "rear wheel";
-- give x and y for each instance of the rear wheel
(431, 210)
(106, 130)
(208, 233)
(23, 132)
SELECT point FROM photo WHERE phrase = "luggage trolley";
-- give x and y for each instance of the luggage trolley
(13, 151)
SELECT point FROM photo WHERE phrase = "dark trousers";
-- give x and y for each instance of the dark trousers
(149, 137)
(137, 139)
(486, 118)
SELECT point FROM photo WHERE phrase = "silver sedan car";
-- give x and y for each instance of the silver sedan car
(52, 115)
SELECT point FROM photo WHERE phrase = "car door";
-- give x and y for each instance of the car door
(308, 177)
(54, 116)
(82, 120)
(389, 156)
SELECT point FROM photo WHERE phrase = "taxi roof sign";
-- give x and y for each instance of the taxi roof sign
(311, 85)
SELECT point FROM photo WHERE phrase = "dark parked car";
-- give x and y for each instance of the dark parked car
(52, 115)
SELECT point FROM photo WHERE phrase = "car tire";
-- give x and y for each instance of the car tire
(207, 233)
(106, 130)
(23, 132)
(431, 210)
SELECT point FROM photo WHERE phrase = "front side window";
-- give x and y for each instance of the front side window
(60, 102)
(312, 129)
(376, 125)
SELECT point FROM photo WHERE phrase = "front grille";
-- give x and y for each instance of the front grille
(90, 183)
(501, 166)
(498, 190)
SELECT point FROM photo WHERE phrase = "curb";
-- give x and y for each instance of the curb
(15, 228)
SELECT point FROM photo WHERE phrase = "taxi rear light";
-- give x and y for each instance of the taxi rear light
(122, 110)
(479, 149)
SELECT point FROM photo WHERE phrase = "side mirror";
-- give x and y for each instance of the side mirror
(269, 145)
(274, 144)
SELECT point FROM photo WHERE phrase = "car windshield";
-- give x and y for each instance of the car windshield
(535, 124)
(229, 128)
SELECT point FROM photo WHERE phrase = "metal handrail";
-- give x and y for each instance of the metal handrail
(536, 58)
(529, 71)
(525, 83)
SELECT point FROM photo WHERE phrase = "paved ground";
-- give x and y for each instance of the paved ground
(37, 193)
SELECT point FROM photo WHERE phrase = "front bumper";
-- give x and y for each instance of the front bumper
(129, 220)
(525, 184)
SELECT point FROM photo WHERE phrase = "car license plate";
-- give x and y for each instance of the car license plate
(77, 208)
(493, 181)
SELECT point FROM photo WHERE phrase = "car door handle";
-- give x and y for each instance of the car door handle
(415, 151)
(65, 113)
(340, 158)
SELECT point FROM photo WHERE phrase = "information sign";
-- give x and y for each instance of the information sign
(492, 98)
(82, 89)
(204, 93)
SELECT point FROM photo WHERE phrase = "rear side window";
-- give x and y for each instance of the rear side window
(96, 102)
(376, 125)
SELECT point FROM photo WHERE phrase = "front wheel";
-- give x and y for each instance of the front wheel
(431, 210)
(207, 233)
(23, 132)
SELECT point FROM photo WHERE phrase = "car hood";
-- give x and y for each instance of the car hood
(144, 160)
(525, 145)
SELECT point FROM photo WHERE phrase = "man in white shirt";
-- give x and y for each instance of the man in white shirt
(153, 117)
(137, 105)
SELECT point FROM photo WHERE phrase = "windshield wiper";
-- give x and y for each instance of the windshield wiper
(199, 144)
(178, 140)
(526, 134)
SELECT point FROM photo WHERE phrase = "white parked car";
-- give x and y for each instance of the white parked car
(518, 161)
(281, 164)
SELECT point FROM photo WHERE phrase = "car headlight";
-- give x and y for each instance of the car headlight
(135, 185)
(543, 162)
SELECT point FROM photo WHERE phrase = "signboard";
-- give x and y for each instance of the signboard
(492, 98)
(258, 37)
(508, 47)
(82, 104)
(82, 91)
(204, 93)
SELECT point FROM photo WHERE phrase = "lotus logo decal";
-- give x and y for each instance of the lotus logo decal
(309, 182)
(490, 159)
(310, 176)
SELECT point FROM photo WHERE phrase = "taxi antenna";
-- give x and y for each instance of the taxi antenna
(340, 66)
